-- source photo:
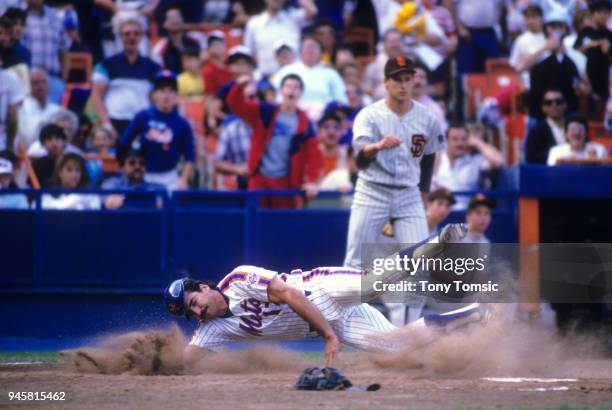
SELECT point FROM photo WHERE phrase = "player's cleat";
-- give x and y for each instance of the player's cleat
(459, 318)
(453, 233)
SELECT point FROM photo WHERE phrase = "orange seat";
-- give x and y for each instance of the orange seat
(193, 109)
(599, 134)
(499, 66)
(79, 61)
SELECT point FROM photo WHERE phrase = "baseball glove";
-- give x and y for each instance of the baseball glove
(327, 378)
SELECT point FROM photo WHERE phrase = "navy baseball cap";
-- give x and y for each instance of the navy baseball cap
(399, 65)
(165, 78)
(174, 297)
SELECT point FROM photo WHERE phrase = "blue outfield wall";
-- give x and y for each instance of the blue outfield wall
(70, 275)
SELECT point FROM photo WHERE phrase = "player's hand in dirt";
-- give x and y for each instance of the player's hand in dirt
(390, 141)
(332, 348)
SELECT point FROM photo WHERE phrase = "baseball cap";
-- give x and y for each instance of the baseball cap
(237, 52)
(281, 44)
(441, 193)
(477, 200)
(398, 65)
(556, 15)
(165, 78)
(218, 34)
(6, 167)
(174, 297)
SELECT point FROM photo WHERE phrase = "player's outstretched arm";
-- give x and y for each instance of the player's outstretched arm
(279, 292)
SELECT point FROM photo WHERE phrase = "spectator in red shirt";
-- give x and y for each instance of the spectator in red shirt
(284, 148)
(215, 72)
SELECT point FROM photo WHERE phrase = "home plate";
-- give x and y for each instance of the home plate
(526, 380)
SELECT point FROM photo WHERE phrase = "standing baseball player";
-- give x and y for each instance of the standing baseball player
(394, 140)
(253, 303)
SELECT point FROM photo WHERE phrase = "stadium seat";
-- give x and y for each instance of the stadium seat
(598, 134)
(498, 66)
(194, 109)
(78, 62)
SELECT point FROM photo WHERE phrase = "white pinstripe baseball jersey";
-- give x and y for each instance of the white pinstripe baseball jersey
(418, 129)
(336, 292)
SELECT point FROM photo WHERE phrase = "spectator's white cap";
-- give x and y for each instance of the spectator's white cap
(238, 52)
(239, 49)
(6, 167)
(216, 34)
(282, 43)
(557, 15)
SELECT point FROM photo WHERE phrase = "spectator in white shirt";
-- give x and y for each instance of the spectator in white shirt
(70, 173)
(11, 95)
(274, 23)
(69, 123)
(322, 85)
(36, 109)
(531, 46)
(373, 79)
(420, 93)
(577, 146)
(457, 168)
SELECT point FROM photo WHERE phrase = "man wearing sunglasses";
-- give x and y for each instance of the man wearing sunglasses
(133, 168)
(550, 131)
(557, 70)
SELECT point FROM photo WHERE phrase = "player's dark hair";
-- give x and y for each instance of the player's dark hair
(15, 14)
(9, 156)
(51, 130)
(293, 77)
(193, 285)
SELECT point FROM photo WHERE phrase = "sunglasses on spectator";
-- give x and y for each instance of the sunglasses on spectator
(557, 101)
(135, 162)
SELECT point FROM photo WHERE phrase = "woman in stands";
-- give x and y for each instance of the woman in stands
(70, 174)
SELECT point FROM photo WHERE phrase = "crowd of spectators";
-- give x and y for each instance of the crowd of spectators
(277, 85)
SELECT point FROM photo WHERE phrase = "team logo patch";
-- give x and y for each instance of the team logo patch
(252, 278)
(174, 308)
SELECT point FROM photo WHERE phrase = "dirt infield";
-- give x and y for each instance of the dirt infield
(500, 365)
(272, 390)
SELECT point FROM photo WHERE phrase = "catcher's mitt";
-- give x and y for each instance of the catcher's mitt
(327, 378)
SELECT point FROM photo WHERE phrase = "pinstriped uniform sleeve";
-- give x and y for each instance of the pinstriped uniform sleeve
(435, 140)
(364, 132)
(211, 336)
